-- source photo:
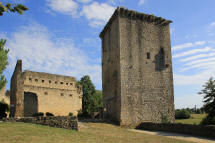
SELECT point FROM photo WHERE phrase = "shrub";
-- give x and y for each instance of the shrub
(208, 120)
(182, 114)
(164, 119)
(49, 114)
(39, 114)
(70, 114)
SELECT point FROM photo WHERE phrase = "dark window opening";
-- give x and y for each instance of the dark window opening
(36, 80)
(50, 81)
(71, 84)
(61, 82)
(46, 93)
(30, 79)
(70, 95)
(61, 94)
(42, 81)
(148, 55)
(55, 82)
(67, 83)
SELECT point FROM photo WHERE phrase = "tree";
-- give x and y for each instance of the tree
(209, 97)
(3, 62)
(92, 99)
(209, 102)
(8, 7)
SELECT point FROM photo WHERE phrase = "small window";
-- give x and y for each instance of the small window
(50, 81)
(67, 83)
(70, 95)
(55, 82)
(30, 79)
(71, 83)
(148, 55)
(61, 94)
(46, 93)
(61, 82)
(42, 81)
(36, 80)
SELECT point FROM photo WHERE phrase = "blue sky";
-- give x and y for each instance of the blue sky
(62, 37)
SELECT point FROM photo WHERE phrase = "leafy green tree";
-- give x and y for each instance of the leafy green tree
(3, 62)
(209, 102)
(92, 99)
(8, 7)
(209, 97)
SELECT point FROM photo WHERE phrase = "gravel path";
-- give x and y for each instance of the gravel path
(176, 136)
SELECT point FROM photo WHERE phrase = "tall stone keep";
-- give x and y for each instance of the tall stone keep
(137, 78)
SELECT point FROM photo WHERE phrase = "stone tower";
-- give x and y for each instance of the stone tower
(137, 78)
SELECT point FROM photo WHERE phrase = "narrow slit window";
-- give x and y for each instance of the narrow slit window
(42, 81)
(50, 81)
(148, 55)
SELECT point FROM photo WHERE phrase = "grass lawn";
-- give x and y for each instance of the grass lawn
(89, 133)
(194, 119)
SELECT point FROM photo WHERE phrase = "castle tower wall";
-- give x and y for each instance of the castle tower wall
(145, 68)
(111, 71)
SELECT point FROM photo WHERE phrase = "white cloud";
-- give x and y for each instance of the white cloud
(182, 46)
(197, 57)
(212, 24)
(34, 45)
(84, 1)
(206, 49)
(200, 43)
(188, 45)
(141, 2)
(194, 79)
(97, 14)
(69, 7)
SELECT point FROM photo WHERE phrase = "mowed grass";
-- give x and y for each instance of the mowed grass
(89, 133)
(194, 119)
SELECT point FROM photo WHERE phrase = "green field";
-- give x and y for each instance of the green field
(194, 119)
(89, 133)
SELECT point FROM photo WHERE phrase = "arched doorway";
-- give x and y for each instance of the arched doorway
(30, 104)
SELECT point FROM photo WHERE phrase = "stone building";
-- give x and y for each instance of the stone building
(33, 92)
(4, 97)
(137, 78)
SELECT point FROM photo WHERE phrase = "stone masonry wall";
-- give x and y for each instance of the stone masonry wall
(111, 72)
(142, 61)
(16, 92)
(196, 130)
(66, 122)
(55, 93)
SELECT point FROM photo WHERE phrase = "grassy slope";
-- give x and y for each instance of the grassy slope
(89, 133)
(195, 119)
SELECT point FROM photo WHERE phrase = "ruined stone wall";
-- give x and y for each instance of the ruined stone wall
(54, 93)
(3, 96)
(145, 68)
(111, 72)
(16, 92)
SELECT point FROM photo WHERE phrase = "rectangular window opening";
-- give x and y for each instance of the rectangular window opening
(148, 55)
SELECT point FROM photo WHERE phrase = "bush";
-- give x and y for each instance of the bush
(208, 121)
(49, 114)
(39, 114)
(164, 119)
(4, 107)
(182, 114)
(70, 114)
